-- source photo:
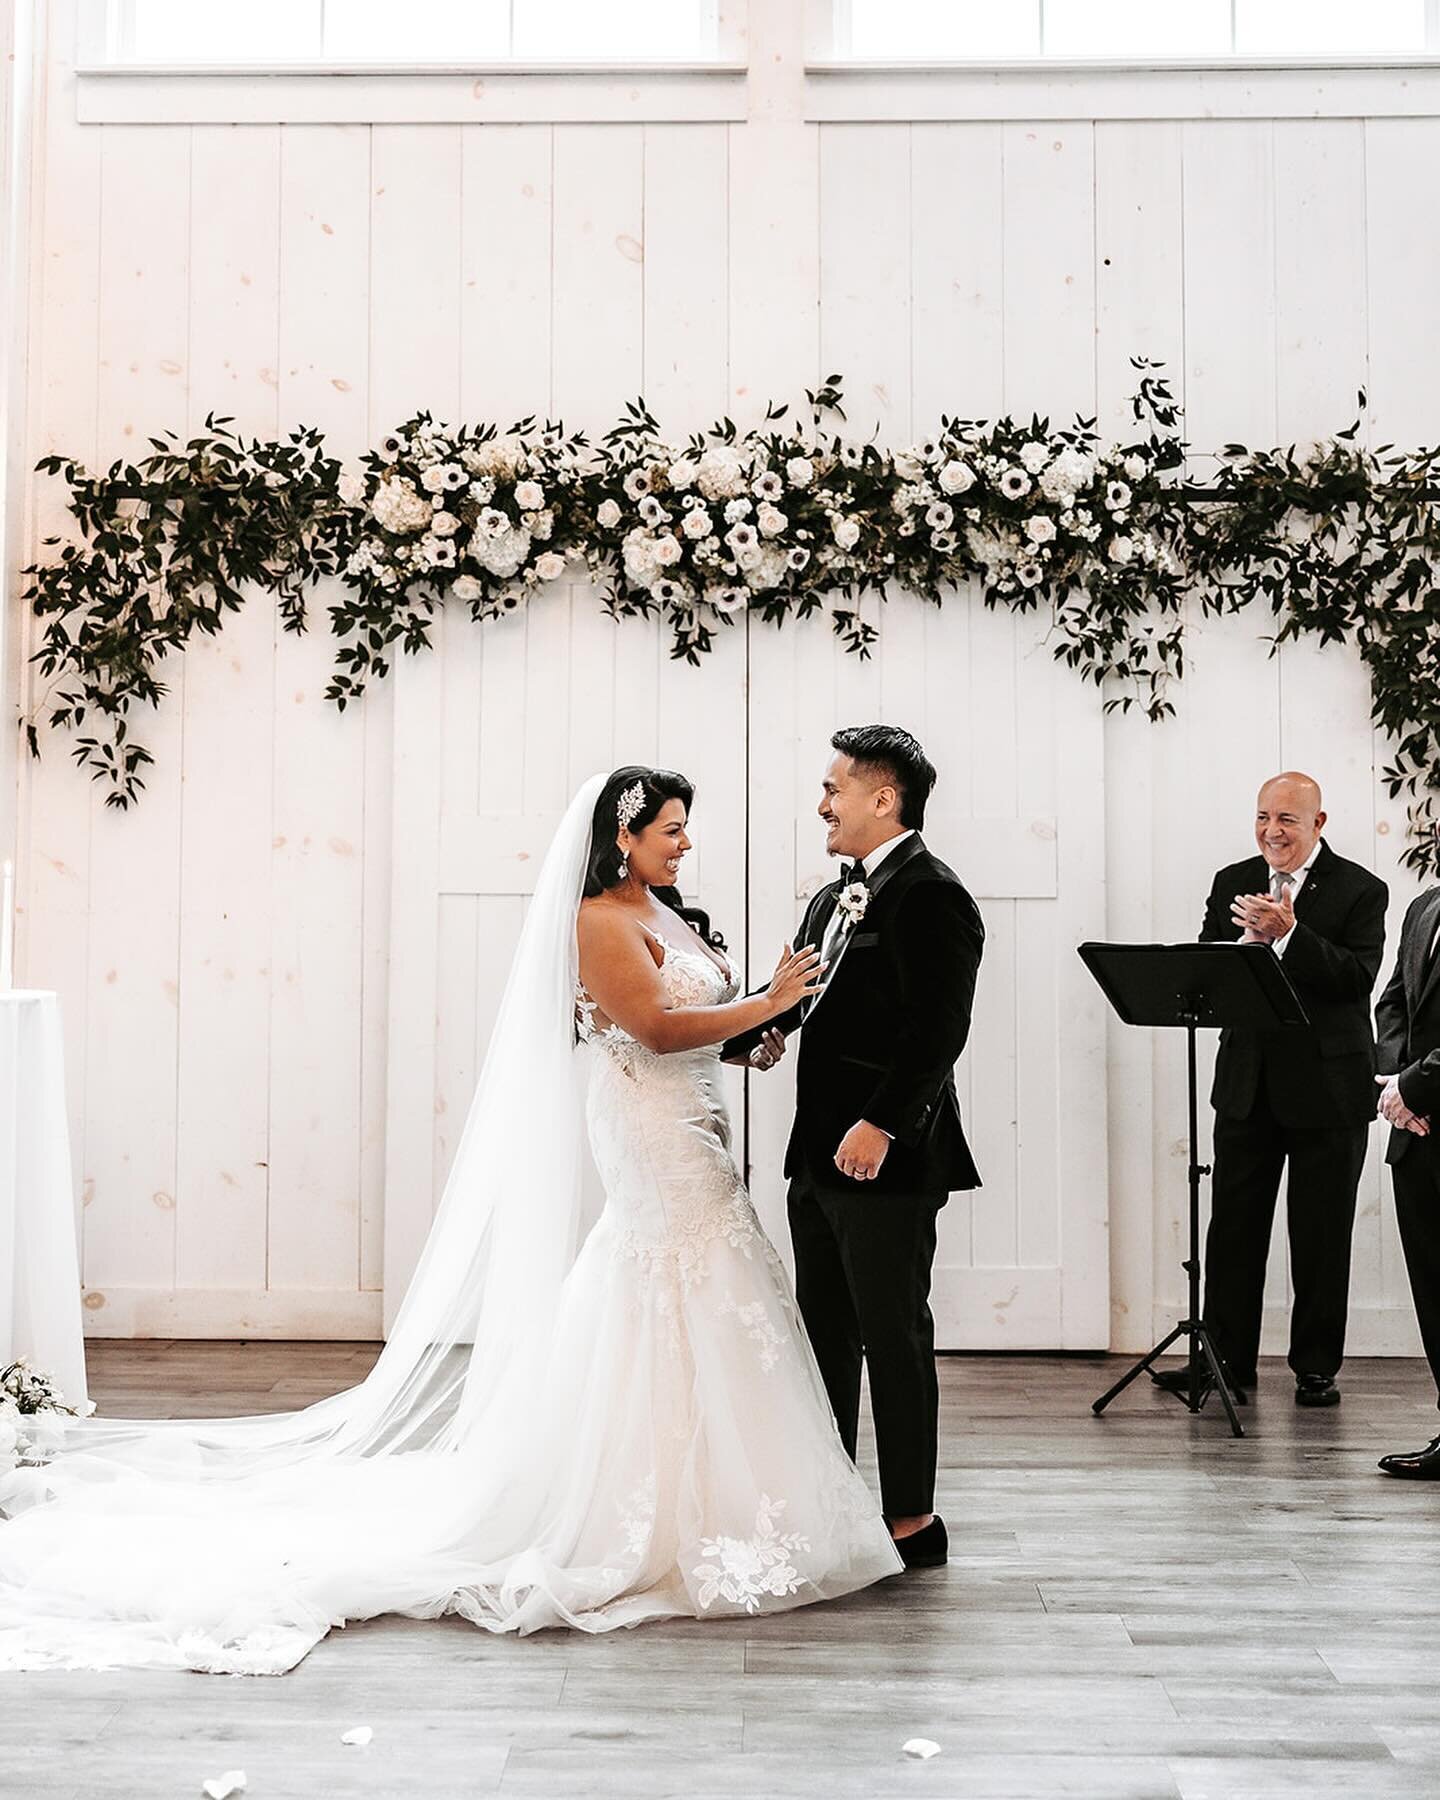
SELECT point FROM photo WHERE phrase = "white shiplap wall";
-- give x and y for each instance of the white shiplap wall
(223, 953)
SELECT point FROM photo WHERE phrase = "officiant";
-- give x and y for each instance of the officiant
(1295, 1100)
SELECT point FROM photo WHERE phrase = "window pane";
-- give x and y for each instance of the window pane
(994, 29)
(206, 31)
(1328, 27)
(1137, 28)
(417, 31)
(609, 30)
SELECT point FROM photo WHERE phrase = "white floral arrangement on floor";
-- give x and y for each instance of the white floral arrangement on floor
(29, 1399)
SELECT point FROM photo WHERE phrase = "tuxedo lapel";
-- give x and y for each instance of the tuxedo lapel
(825, 909)
(1421, 975)
(1314, 883)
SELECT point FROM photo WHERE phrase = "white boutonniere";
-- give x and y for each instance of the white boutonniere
(853, 902)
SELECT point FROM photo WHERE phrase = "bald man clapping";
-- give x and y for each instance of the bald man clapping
(1298, 1098)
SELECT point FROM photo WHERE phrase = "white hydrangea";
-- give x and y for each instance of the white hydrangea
(541, 525)
(720, 473)
(398, 507)
(956, 477)
(735, 510)
(352, 487)
(502, 554)
(765, 568)
(1071, 472)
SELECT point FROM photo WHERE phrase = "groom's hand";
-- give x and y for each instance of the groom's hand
(861, 1152)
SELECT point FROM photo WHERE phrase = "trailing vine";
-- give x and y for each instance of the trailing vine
(796, 517)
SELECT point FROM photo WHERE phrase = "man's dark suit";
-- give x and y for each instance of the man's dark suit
(1303, 1095)
(1407, 1017)
(880, 1044)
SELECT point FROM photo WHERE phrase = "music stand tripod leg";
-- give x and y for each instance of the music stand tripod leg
(1140, 1368)
(1222, 1383)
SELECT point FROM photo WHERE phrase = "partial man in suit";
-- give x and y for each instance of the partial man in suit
(1407, 1017)
(877, 1144)
(1301, 1096)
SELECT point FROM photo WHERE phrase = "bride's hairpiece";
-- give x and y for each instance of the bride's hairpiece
(630, 803)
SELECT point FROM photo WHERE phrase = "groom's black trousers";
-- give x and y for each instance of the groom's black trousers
(862, 1278)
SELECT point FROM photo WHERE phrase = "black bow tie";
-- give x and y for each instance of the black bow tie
(850, 872)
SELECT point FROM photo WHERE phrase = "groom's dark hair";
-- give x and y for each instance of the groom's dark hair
(890, 754)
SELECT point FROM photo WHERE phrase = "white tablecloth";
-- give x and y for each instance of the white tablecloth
(39, 1255)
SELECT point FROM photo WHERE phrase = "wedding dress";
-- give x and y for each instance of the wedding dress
(633, 1432)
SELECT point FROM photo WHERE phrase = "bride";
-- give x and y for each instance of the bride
(557, 1433)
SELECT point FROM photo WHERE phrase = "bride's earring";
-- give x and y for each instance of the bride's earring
(624, 866)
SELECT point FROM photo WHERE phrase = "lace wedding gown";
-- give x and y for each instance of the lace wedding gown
(548, 1439)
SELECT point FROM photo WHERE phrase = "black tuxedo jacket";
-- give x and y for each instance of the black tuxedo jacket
(1407, 1016)
(1322, 1074)
(881, 1040)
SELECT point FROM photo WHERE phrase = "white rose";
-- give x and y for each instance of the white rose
(550, 566)
(466, 588)
(529, 496)
(1040, 529)
(352, 487)
(799, 471)
(433, 479)
(956, 478)
(681, 474)
(1122, 550)
(444, 524)
(667, 550)
(1135, 467)
(607, 515)
(1033, 457)
(771, 520)
(540, 525)
(846, 533)
(908, 466)
(697, 523)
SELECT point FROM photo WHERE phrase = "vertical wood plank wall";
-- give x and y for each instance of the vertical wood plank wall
(223, 952)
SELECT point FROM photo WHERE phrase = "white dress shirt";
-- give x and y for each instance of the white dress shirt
(1297, 881)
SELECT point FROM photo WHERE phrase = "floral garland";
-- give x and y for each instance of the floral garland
(30, 1405)
(793, 518)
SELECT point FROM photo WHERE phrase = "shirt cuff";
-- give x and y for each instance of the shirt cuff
(1279, 945)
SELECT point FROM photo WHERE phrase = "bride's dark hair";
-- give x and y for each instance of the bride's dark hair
(603, 870)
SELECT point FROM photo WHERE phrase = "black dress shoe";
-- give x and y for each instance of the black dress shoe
(1415, 1465)
(927, 1548)
(1177, 1381)
(1316, 1390)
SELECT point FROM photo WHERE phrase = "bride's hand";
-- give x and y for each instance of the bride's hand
(796, 976)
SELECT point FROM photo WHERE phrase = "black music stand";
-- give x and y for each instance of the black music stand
(1193, 985)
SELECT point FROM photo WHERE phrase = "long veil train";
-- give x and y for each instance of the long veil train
(263, 1514)
(553, 1435)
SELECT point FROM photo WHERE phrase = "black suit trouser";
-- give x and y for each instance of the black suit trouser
(1324, 1172)
(1417, 1210)
(862, 1278)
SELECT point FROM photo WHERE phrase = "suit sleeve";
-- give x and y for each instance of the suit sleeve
(1219, 927)
(741, 1046)
(940, 941)
(1392, 1012)
(1343, 967)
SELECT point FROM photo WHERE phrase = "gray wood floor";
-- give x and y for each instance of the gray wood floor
(1135, 1606)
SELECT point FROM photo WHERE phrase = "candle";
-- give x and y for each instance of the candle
(7, 930)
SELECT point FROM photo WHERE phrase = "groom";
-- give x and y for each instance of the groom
(877, 1145)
